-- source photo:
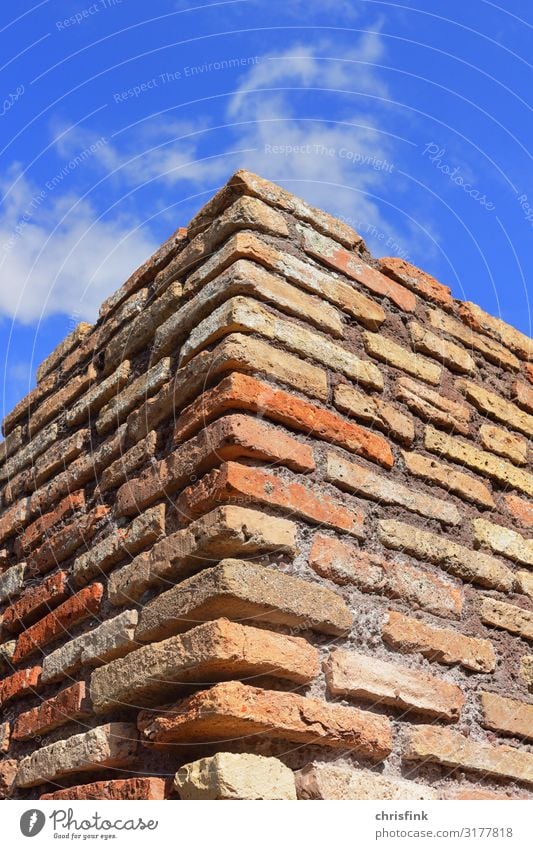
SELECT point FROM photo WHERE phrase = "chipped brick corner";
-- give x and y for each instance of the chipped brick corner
(264, 530)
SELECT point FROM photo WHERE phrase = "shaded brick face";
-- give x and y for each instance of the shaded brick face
(278, 500)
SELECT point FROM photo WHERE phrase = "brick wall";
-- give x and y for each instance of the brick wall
(264, 530)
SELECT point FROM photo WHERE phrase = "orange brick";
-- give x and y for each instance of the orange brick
(240, 391)
(35, 601)
(234, 483)
(13, 521)
(132, 789)
(345, 564)
(523, 395)
(69, 705)
(479, 320)
(228, 438)
(507, 716)
(63, 543)
(59, 401)
(35, 532)
(234, 710)
(21, 683)
(416, 280)
(522, 510)
(57, 624)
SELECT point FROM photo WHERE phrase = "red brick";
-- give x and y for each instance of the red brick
(234, 483)
(35, 601)
(57, 624)
(12, 521)
(24, 682)
(59, 401)
(228, 438)
(240, 391)
(132, 789)
(522, 510)
(416, 280)
(35, 532)
(63, 543)
(69, 705)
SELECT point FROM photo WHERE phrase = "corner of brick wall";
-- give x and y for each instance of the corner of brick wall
(270, 513)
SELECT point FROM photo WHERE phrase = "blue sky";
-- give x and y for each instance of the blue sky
(411, 120)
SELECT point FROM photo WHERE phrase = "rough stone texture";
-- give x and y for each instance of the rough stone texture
(234, 709)
(112, 745)
(491, 350)
(451, 355)
(389, 352)
(496, 407)
(12, 582)
(505, 444)
(433, 407)
(128, 789)
(219, 649)
(508, 716)
(5, 736)
(8, 773)
(521, 510)
(442, 645)
(449, 748)
(449, 478)
(329, 781)
(229, 776)
(358, 676)
(503, 541)
(246, 592)
(376, 412)
(500, 614)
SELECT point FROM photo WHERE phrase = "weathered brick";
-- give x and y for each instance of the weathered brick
(491, 350)
(376, 412)
(61, 544)
(232, 776)
(448, 353)
(231, 437)
(234, 709)
(5, 736)
(521, 510)
(34, 533)
(234, 481)
(119, 471)
(7, 650)
(61, 400)
(479, 320)
(240, 391)
(451, 749)
(503, 541)
(505, 444)
(108, 746)
(302, 274)
(143, 531)
(20, 684)
(496, 407)
(524, 582)
(472, 793)
(480, 568)
(32, 604)
(57, 624)
(330, 253)
(442, 645)
(389, 352)
(480, 461)
(418, 281)
(213, 650)
(80, 332)
(526, 669)
(357, 676)
(248, 593)
(523, 395)
(12, 582)
(366, 483)
(461, 484)
(11, 444)
(22, 411)
(98, 395)
(117, 409)
(507, 716)
(244, 278)
(229, 531)
(345, 564)
(131, 789)
(332, 781)
(139, 333)
(70, 705)
(247, 183)
(112, 639)
(243, 315)
(432, 406)
(28, 455)
(8, 773)
(499, 614)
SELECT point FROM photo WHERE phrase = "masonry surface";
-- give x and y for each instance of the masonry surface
(265, 530)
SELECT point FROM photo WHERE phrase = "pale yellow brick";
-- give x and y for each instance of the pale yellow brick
(491, 350)
(375, 411)
(389, 352)
(503, 541)
(449, 354)
(461, 484)
(496, 407)
(511, 618)
(505, 444)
